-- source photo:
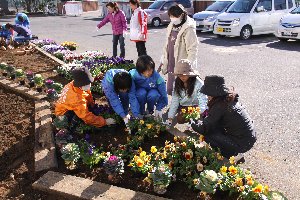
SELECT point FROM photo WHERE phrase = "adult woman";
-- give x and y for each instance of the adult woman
(227, 126)
(138, 27)
(119, 26)
(182, 43)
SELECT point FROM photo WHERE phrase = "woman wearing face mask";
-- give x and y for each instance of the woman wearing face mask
(119, 26)
(76, 99)
(182, 43)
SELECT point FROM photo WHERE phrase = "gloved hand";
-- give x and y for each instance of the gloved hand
(126, 119)
(158, 113)
(168, 122)
(110, 121)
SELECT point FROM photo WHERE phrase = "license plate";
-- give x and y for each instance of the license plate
(287, 33)
(219, 29)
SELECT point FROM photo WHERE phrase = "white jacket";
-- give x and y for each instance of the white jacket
(138, 25)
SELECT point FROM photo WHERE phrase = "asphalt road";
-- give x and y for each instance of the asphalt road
(264, 71)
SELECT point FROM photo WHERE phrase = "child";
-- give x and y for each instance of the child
(76, 98)
(119, 89)
(23, 33)
(186, 92)
(119, 26)
(150, 86)
(5, 36)
(227, 126)
(22, 19)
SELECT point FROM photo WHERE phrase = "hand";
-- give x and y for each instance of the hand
(110, 121)
(169, 122)
(126, 119)
(125, 33)
(142, 36)
(158, 113)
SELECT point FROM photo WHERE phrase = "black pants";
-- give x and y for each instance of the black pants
(118, 39)
(141, 48)
(229, 145)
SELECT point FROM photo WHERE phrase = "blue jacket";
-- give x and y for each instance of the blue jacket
(5, 32)
(112, 95)
(22, 30)
(26, 22)
(153, 82)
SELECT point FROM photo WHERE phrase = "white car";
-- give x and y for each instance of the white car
(245, 18)
(205, 20)
(289, 26)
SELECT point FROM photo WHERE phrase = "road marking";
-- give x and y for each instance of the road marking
(225, 50)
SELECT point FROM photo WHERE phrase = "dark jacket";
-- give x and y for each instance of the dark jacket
(22, 30)
(231, 118)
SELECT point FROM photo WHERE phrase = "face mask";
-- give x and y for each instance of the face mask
(86, 87)
(175, 21)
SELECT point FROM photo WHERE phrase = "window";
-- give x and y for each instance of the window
(267, 4)
(185, 3)
(241, 6)
(280, 4)
(168, 5)
(290, 2)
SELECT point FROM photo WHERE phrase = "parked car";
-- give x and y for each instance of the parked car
(205, 20)
(158, 11)
(289, 26)
(245, 18)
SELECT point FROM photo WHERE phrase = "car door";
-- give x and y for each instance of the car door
(280, 9)
(164, 11)
(261, 16)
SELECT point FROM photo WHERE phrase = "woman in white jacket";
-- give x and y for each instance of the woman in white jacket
(182, 43)
(186, 92)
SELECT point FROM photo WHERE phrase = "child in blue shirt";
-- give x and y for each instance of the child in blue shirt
(150, 86)
(22, 19)
(119, 88)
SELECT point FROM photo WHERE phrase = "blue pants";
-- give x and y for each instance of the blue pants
(21, 39)
(150, 97)
(124, 101)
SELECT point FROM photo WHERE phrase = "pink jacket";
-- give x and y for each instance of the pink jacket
(117, 20)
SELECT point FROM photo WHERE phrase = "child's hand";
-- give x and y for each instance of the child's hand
(110, 121)
(158, 113)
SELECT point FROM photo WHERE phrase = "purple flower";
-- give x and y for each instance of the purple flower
(90, 150)
(49, 82)
(51, 91)
(87, 137)
(112, 158)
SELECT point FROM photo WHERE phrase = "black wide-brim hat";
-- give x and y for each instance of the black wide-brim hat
(82, 77)
(214, 86)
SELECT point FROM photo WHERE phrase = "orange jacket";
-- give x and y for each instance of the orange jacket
(73, 98)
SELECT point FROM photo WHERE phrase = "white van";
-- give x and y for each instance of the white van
(245, 18)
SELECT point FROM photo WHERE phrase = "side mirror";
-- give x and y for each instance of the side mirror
(260, 9)
(165, 8)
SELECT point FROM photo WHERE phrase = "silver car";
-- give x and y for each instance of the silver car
(205, 20)
(158, 11)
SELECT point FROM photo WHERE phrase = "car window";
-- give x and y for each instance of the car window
(290, 2)
(168, 5)
(280, 4)
(156, 5)
(218, 6)
(241, 6)
(267, 4)
(185, 3)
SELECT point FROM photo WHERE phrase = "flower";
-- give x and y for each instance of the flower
(196, 181)
(204, 159)
(143, 154)
(201, 138)
(140, 163)
(153, 149)
(250, 182)
(219, 156)
(112, 158)
(142, 121)
(211, 175)
(198, 109)
(149, 126)
(223, 169)
(239, 181)
(266, 189)
(231, 160)
(188, 155)
(183, 144)
(241, 188)
(199, 167)
(175, 138)
(258, 188)
(163, 155)
(190, 110)
(183, 110)
(232, 170)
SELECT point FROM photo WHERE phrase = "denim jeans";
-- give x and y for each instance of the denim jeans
(21, 39)
(118, 39)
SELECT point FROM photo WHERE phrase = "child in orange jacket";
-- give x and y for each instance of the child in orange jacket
(76, 98)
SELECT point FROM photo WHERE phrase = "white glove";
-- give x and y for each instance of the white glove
(158, 113)
(168, 122)
(126, 119)
(110, 121)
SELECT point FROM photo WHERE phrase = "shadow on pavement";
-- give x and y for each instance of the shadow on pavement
(291, 45)
(157, 28)
(235, 41)
(104, 34)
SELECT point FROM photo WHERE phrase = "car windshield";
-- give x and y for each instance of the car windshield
(218, 6)
(241, 6)
(296, 11)
(156, 5)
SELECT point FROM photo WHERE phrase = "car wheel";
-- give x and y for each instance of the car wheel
(246, 32)
(283, 39)
(156, 22)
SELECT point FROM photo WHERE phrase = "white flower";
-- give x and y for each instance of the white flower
(211, 175)
(200, 145)
(199, 167)
(204, 159)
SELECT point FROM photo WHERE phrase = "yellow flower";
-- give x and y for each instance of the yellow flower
(142, 122)
(175, 139)
(163, 155)
(239, 181)
(183, 110)
(130, 165)
(140, 150)
(241, 189)
(183, 144)
(196, 181)
(250, 182)
(153, 149)
(167, 147)
(140, 163)
(219, 156)
(266, 189)
(232, 170)
(219, 181)
(198, 109)
(143, 154)
(248, 177)
(135, 158)
(147, 159)
(190, 110)
(258, 188)
(188, 155)
(201, 138)
(231, 160)
(223, 169)
(149, 126)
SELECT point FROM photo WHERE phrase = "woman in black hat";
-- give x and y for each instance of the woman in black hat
(228, 125)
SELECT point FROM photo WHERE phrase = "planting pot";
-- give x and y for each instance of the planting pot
(22, 82)
(4, 73)
(12, 76)
(31, 84)
(39, 89)
(160, 189)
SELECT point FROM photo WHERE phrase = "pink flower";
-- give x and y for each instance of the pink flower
(113, 158)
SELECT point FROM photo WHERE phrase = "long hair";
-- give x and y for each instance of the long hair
(135, 2)
(225, 99)
(113, 5)
(177, 11)
(179, 86)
